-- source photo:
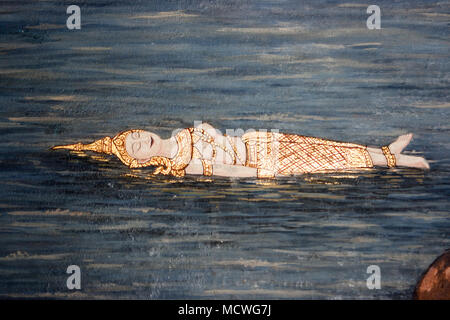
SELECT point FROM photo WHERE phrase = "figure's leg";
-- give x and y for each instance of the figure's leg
(396, 148)
(398, 145)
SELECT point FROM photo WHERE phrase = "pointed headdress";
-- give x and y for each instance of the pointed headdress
(116, 146)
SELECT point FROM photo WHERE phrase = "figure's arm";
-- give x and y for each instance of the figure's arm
(223, 170)
(209, 129)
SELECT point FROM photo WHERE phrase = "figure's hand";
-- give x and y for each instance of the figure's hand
(209, 129)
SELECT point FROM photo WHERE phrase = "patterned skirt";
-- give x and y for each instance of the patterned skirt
(287, 154)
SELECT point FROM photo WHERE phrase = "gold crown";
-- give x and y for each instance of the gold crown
(108, 145)
(116, 146)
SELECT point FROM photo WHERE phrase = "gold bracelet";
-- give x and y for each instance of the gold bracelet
(390, 158)
(207, 168)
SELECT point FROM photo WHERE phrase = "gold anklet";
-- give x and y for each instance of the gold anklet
(390, 158)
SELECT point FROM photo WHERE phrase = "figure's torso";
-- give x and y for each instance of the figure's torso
(221, 150)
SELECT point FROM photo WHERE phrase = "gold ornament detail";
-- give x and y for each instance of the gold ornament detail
(184, 153)
(207, 167)
(116, 146)
(108, 145)
(201, 134)
(390, 158)
(285, 154)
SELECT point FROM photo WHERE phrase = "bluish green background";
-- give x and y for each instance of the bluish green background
(310, 68)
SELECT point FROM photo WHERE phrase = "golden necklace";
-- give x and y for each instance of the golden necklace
(206, 137)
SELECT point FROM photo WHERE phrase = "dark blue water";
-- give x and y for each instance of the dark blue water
(310, 68)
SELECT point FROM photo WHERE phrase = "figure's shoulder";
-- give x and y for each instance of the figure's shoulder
(208, 128)
(205, 126)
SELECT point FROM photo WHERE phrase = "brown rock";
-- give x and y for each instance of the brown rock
(435, 282)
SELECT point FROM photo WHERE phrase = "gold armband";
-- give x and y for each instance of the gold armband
(207, 168)
(390, 158)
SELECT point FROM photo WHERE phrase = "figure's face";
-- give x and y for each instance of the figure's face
(142, 145)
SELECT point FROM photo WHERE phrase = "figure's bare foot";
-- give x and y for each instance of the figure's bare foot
(422, 163)
(402, 160)
(412, 162)
(398, 145)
